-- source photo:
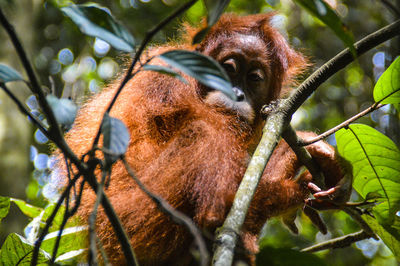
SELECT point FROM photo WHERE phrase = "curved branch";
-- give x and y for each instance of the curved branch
(337, 63)
(275, 125)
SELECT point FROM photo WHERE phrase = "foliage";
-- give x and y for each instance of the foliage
(17, 248)
(202, 68)
(324, 12)
(116, 138)
(96, 21)
(8, 74)
(374, 157)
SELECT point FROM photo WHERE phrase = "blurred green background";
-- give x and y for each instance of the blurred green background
(73, 65)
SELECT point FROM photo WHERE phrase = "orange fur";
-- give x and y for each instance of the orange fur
(191, 154)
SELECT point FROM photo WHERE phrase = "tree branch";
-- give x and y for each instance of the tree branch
(373, 107)
(35, 87)
(25, 111)
(274, 127)
(228, 234)
(344, 124)
(113, 218)
(92, 222)
(340, 242)
(391, 7)
(56, 136)
(337, 63)
(304, 156)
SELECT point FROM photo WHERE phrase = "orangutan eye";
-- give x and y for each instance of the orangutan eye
(256, 75)
(230, 65)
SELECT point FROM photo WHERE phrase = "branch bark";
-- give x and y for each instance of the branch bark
(274, 127)
(340, 242)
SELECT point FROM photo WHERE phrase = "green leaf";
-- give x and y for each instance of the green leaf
(165, 70)
(64, 110)
(8, 74)
(97, 21)
(321, 10)
(200, 35)
(376, 167)
(27, 209)
(387, 89)
(57, 219)
(16, 250)
(390, 235)
(215, 8)
(116, 137)
(203, 68)
(4, 207)
(72, 257)
(286, 256)
(72, 239)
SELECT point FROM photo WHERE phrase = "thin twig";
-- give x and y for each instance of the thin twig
(340, 242)
(176, 215)
(331, 131)
(25, 111)
(373, 107)
(304, 156)
(92, 222)
(69, 170)
(355, 214)
(150, 34)
(78, 198)
(61, 229)
(57, 137)
(114, 220)
(50, 220)
(391, 7)
(102, 252)
(35, 86)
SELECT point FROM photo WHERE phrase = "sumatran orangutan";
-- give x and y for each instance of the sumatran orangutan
(191, 144)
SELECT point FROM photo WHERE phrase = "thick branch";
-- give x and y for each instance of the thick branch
(337, 63)
(275, 125)
(228, 234)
